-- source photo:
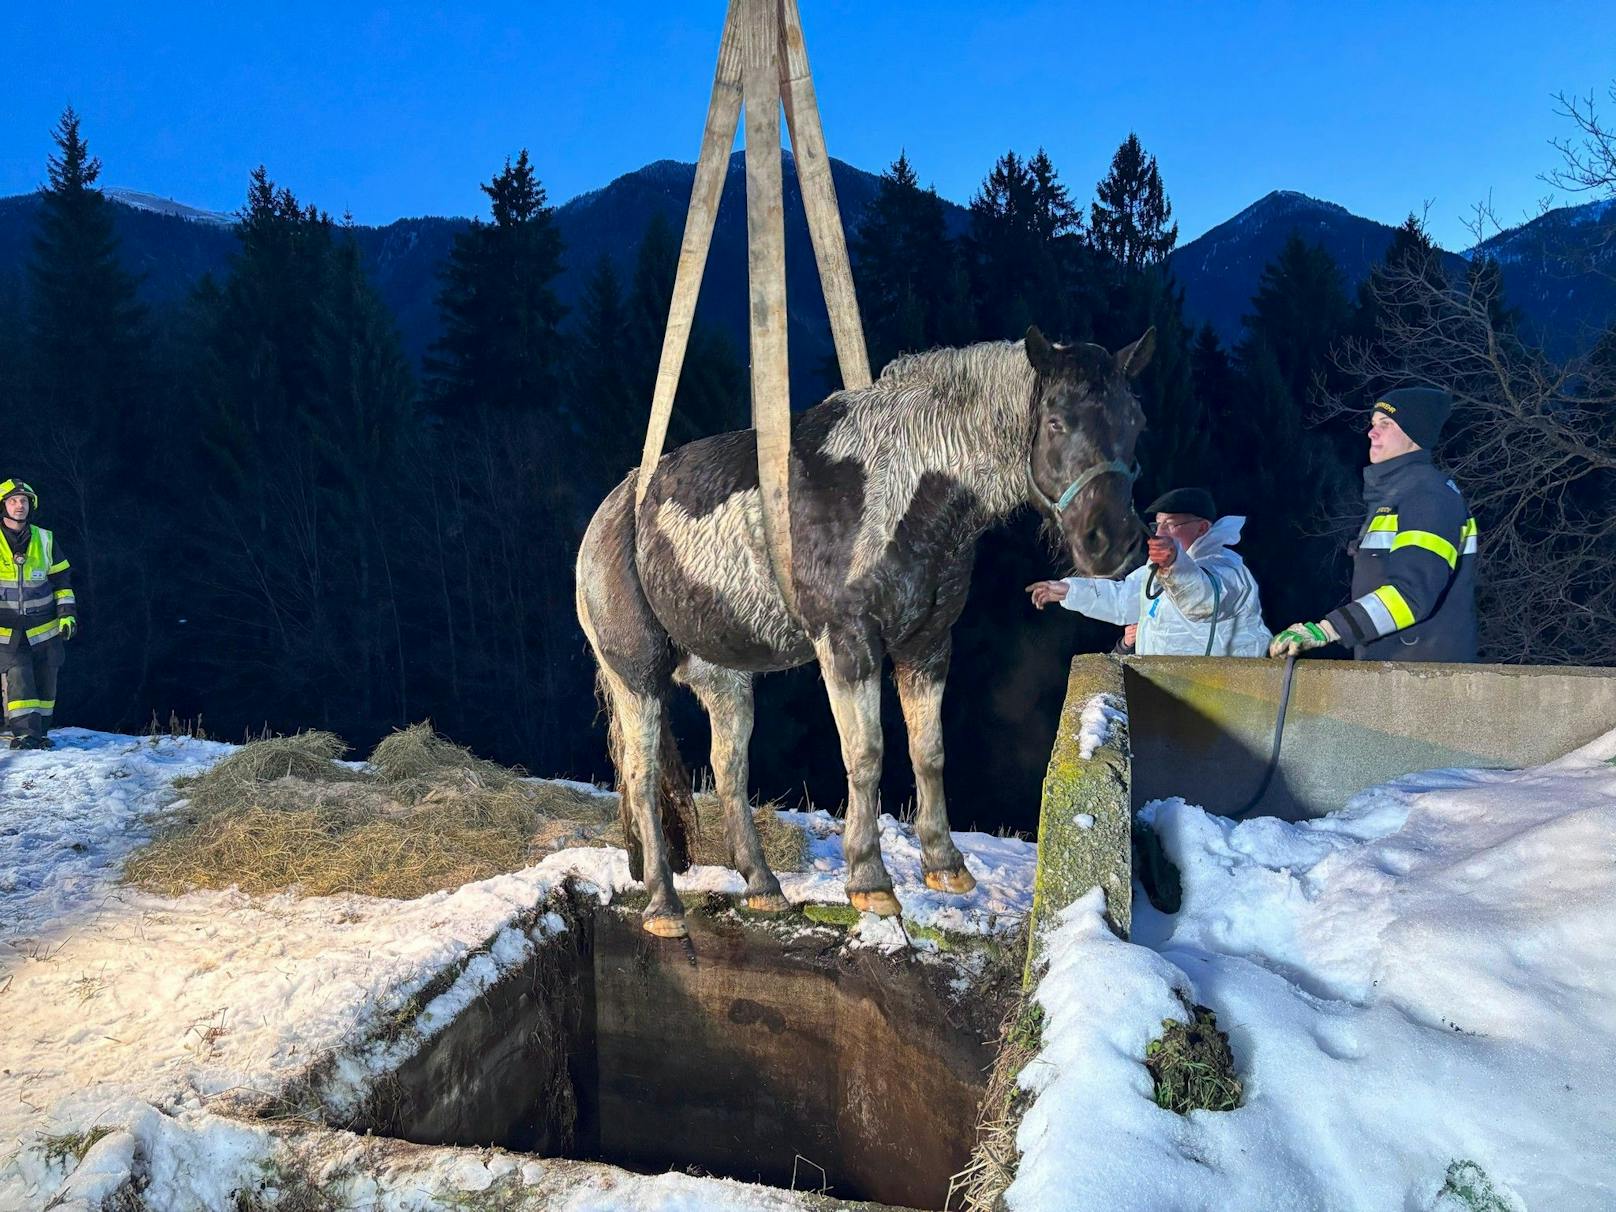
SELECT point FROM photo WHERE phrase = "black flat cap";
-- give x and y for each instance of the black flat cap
(1197, 502)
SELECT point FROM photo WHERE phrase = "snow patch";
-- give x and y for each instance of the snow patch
(149, 1014)
(1102, 716)
(1420, 991)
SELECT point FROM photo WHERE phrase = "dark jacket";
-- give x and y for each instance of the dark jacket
(1413, 568)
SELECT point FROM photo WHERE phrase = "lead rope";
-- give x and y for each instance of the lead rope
(1279, 736)
(1287, 678)
(1152, 593)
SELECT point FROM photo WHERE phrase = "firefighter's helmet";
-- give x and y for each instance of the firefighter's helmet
(11, 488)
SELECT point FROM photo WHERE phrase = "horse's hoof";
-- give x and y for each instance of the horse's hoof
(880, 902)
(664, 926)
(768, 902)
(956, 881)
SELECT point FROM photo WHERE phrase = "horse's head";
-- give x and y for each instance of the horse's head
(1081, 463)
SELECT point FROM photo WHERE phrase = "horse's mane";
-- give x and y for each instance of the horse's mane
(967, 411)
(973, 375)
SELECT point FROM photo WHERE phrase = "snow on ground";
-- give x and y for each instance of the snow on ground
(1418, 986)
(1420, 991)
(117, 1003)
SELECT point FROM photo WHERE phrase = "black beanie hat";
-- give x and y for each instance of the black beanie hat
(1419, 411)
(1197, 502)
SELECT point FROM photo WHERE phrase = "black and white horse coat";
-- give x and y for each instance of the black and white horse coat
(890, 487)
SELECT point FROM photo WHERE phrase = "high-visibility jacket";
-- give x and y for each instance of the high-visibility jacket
(36, 592)
(1180, 620)
(1413, 568)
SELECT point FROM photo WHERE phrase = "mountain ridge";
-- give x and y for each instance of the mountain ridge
(1559, 269)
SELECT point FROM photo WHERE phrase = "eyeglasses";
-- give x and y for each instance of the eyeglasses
(1160, 528)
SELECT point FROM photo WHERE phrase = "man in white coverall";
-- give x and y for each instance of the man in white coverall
(1195, 597)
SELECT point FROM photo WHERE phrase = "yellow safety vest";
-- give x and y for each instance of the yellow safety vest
(25, 586)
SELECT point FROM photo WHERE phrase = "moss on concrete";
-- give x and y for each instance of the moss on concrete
(1084, 824)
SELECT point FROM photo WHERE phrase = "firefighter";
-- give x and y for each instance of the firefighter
(1413, 563)
(37, 616)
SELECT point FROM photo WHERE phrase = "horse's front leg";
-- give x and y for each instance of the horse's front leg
(852, 669)
(920, 691)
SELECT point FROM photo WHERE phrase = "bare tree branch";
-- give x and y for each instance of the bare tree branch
(1533, 447)
(1589, 159)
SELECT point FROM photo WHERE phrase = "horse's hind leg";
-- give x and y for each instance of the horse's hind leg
(638, 719)
(920, 691)
(727, 696)
(636, 661)
(852, 671)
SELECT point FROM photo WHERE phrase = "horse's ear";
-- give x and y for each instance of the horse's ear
(1132, 359)
(1039, 351)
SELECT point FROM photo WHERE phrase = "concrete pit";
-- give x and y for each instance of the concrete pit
(760, 1053)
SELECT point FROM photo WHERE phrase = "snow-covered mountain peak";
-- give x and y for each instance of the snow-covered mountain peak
(139, 200)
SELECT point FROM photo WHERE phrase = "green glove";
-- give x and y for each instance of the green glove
(70, 626)
(1301, 637)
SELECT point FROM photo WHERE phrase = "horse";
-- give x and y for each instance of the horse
(890, 487)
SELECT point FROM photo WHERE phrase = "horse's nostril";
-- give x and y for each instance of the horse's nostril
(1094, 539)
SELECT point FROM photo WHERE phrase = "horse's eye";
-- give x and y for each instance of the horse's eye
(1056, 425)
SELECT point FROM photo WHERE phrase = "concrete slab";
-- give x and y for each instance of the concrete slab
(1203, 727)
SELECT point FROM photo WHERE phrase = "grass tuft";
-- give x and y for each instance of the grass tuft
(58, 1147)
(980, 1187)
(1469, 1189)
(1193, 1066)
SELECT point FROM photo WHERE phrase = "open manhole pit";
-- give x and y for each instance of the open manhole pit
(758, 1053)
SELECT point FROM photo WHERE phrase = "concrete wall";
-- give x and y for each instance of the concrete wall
(1084, 819)
(1203, 728)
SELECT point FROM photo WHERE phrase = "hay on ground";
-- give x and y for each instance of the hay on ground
(426, 815)
(417, 752)
(785, 847)
(309, 756)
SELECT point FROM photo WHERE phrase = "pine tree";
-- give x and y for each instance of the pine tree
(366, 441)
(1301, 312)
(268, 350)
(1054, 214)
(1295, 477)
(1411, 253)
(85, 330)
(86, 436)
(712, 396)
(1213, 372)
(1023, 228)
(501, 346)
(1128, 221)
(306, 439)
(902, 258)
(1484, 279)
(604, 401)
(1174, 451)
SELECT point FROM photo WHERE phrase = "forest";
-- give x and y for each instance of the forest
(278, 521)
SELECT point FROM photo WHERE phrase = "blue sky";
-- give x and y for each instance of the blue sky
(401, 109)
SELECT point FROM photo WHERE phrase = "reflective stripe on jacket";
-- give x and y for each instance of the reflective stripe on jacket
(36, 592)
(1179, 621)
(1413, 568)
